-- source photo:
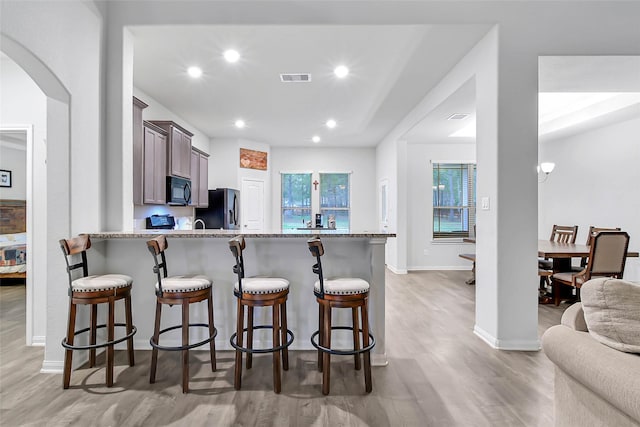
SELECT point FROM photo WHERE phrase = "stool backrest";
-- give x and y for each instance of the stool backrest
(317, 250)
(74, 246)
(237, 245)
(157, 246)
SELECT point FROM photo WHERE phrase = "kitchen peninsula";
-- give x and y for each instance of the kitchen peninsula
(283, 254)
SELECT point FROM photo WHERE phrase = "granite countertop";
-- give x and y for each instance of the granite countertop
(227, 234)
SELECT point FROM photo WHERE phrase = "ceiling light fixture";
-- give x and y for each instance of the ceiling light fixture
(231, 55)
(194, 72)
(240, 123)
(315, 139)
(331, 123)
(341, 71)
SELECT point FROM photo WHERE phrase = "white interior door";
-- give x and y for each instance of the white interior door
(252, 204)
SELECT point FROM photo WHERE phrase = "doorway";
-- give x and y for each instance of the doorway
(252, 197)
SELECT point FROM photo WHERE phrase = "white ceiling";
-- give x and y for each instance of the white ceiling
(392, 68)
(577, 93)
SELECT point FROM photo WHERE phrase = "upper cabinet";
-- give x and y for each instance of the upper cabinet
(178, 148)
(138, 150)
(155, 164)
(199, 178)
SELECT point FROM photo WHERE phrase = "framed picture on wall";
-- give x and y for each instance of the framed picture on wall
(5, 178)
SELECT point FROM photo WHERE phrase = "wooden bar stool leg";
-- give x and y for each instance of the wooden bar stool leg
(365, 343)
(92, 334)
(68, 354)
(249, 336)
(239, 333)
(185, 342)
(326, 357)
(283, 335)
(212, 343)
(320, 334)
(277, 385)
(156, 338)
(356, 336)
(110, 328)
(129, 320)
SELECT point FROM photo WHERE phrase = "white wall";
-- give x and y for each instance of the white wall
(595, 182)
(360, 161)
(440, 255)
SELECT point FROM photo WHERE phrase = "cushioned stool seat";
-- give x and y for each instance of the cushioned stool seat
(262, 285)
(186, 283)
(100, 282)
(343, 286)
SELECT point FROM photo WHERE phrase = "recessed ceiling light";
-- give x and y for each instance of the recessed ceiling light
(194, 72)
(315, 138)
(240, 123)
(231, 55)
(341, 71)
(331, 123)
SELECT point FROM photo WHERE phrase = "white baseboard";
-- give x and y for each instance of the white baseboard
(518, 345)
(439, 267)
(396, 270)
(38, 341)
(379, 359)
(52, 367)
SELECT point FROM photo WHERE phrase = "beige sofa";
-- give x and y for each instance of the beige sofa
(595, 385)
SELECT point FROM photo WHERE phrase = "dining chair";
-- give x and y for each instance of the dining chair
(607, 257)
(593, 230)
(560, 234)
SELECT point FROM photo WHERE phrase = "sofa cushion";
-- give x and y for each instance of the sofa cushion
(612, 312)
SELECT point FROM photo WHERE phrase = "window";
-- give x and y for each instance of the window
(454, 199)
(296, 199)
(334, 198)
(305, 194)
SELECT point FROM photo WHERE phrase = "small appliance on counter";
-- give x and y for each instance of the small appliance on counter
(319, 220)
(223, 211)
(161, 222)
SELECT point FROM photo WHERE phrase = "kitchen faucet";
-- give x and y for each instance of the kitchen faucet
(196, 223)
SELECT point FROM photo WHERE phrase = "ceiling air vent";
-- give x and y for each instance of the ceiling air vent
(295, 78)
(457, 116)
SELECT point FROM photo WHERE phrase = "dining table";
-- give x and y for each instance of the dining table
(562, 253)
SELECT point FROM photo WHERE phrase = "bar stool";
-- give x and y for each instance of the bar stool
(179, 290)
(93, 290)
(340, 293)
(259, 292)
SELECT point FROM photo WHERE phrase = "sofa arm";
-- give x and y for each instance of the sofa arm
(573, 317)
(612, 375)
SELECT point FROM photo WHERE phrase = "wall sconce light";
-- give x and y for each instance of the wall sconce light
(546, 168)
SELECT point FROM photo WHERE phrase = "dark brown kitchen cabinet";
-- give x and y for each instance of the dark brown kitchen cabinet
(178, 148)
(199, 178)
(155, 164)
(138, 149)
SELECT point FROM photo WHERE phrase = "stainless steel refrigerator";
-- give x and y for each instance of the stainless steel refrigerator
(223, 210)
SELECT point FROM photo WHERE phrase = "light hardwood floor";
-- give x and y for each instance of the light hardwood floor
(439, 374)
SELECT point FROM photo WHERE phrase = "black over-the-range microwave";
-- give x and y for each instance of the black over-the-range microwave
(178, 191)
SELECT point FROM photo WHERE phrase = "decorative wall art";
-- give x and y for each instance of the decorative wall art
(252, 159)
(5, 178)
